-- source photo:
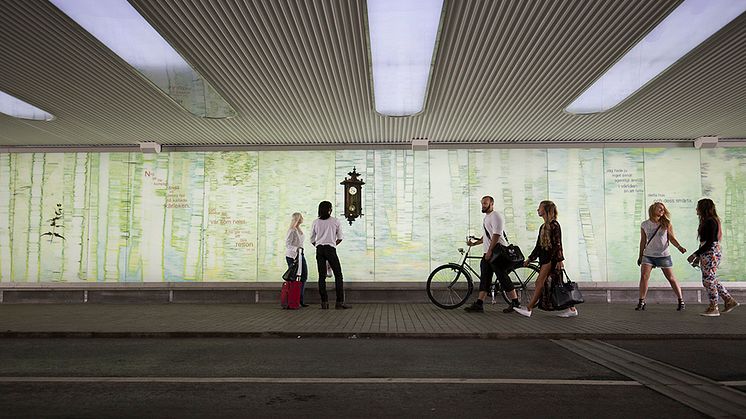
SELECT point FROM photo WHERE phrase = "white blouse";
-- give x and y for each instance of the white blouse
(326, 232)
(293, 240)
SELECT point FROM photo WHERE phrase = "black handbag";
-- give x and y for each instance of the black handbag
(291, 274)
(565, 293)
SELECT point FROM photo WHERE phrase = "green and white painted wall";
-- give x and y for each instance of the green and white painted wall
(222, 216)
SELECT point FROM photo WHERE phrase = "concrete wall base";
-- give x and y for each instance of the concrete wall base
(269, 292)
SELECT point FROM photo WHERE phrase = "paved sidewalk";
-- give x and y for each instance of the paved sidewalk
(596, 321)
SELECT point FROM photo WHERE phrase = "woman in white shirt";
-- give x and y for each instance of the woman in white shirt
(326, 234)
(294, 248)
(655, 234)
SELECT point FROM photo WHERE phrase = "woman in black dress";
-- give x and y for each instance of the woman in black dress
(548, 250)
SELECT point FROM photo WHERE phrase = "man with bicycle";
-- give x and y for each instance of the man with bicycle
(492, 227)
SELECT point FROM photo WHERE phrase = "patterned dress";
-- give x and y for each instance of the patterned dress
(551, 255)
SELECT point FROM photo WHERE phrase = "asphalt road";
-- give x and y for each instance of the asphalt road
(185, 378)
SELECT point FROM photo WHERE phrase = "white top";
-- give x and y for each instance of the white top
(326, 232)
(495, 224)
(658, 246)
(293, 240)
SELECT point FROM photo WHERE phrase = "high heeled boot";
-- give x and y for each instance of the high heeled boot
(640, 305)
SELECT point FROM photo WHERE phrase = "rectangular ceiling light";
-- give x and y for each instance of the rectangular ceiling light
(690, 24)
(124, 31)
(402, 43)
(15, 107)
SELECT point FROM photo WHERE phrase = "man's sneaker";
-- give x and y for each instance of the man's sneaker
(522, 311)
(712, 311)
(475, 308)
(567, 313)
(730, 305)
(508, 309)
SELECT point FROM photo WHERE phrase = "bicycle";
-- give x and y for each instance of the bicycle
(449, 286)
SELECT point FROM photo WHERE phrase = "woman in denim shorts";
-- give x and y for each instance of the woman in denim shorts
(655, 234)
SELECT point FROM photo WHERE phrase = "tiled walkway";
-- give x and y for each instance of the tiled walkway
(598, 321)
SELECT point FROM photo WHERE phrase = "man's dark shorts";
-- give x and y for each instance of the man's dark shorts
(485, 278)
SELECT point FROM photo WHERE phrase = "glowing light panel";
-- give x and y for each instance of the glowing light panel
(402, 42)
(123, 30)
(684, 29)
(15, 107)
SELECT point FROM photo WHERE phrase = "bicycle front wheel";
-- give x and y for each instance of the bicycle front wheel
(449, 286)
(522, 277)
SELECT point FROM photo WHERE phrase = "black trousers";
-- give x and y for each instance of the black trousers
(326, 253)
(486, 271)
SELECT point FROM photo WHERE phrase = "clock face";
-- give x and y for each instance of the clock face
(352, 190)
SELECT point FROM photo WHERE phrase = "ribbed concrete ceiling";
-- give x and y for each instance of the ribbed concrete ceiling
(298, 73)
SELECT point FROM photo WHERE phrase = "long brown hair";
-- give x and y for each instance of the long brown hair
(706, 210)
(665, 219)
(550, 214)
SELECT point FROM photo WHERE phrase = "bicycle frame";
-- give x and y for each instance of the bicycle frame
(465, 256)
(494, 285)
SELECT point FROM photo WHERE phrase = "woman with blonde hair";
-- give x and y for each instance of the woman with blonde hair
(551, 260)
(294, 248)
(655, 234)
(709, 255)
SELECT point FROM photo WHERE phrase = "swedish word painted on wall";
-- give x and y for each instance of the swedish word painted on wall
(222, 216)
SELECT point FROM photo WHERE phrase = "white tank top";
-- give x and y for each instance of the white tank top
(658, 246)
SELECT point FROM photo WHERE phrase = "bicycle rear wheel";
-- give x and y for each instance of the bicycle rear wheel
(522, 277)
(449, 286)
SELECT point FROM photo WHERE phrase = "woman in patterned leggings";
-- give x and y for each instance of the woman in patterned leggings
(709, 257)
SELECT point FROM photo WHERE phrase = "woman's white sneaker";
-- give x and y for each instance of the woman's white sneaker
(568, 313)
(522, 311)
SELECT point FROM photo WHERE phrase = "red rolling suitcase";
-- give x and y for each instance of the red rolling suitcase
(290, 295)
(291, 287)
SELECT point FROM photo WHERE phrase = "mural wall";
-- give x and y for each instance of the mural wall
(222, 216)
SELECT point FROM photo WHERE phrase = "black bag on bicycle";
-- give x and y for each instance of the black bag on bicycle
(509, 256)
(565, 294)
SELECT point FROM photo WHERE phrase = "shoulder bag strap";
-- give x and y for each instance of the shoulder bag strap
(488, 234)
(651, 237)
(299, 261)
(557, 277)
